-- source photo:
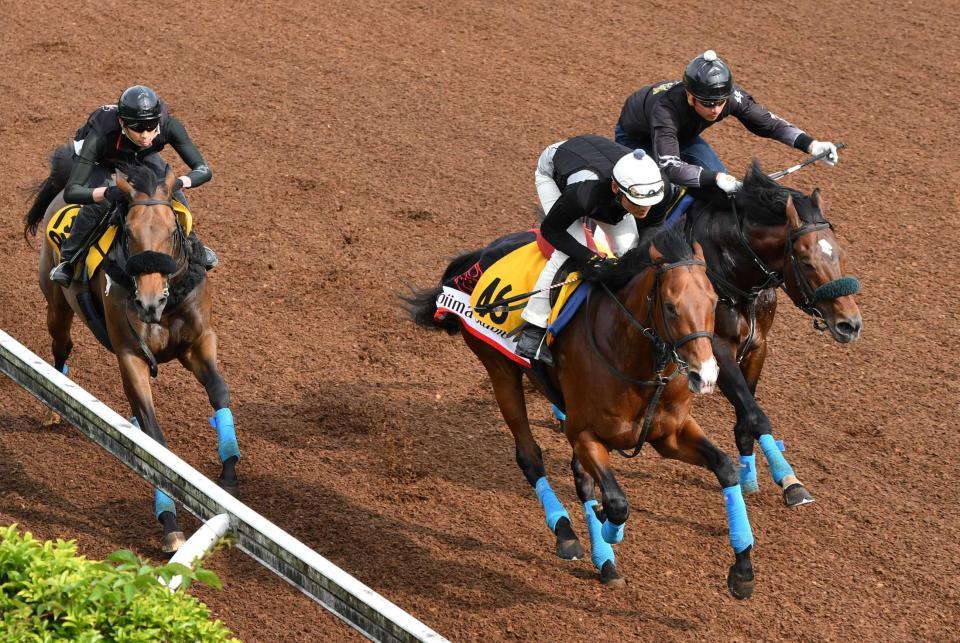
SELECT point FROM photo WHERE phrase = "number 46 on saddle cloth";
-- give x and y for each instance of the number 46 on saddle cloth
(514, 273)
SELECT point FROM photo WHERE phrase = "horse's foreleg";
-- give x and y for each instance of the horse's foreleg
(136, 384)
(752, 422)
(201, 360)
(507, 380)
(601, 553)
(795, 493)
(596, 461)
(691, 445)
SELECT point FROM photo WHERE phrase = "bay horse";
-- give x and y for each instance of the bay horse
(767, 237)
(627, 367)
(156, 306)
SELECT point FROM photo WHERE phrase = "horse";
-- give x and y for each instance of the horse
(767, 237)
(156, 272)
(627, 366)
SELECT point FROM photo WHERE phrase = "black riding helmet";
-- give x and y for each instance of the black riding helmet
(708, 78)
(138, 104)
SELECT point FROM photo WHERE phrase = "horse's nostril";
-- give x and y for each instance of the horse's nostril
(695, 378)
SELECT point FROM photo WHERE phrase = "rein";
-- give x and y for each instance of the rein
(665, 352)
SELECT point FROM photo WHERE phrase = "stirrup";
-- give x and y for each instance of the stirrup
(210, 258)
(62, 274)
(533, 345)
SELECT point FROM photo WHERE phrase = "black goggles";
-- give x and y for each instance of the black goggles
(142, 126)
(709, 104)
(642, 192)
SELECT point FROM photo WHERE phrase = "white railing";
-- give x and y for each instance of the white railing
(355, 603)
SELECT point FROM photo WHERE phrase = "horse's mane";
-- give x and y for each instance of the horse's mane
(142, 177)
(763, 201)
(670, 242)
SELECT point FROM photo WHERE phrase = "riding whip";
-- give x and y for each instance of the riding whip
(776, 176)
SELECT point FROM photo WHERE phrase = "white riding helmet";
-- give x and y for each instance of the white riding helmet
(638, 177)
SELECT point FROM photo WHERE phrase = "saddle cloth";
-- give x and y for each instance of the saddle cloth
(58, 229)
(513, 274)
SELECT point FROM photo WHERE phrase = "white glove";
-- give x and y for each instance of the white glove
(727, 183)
(819, 147)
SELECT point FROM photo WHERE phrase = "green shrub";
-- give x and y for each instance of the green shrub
(49, 593)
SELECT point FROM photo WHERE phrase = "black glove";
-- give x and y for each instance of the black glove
(113, 195)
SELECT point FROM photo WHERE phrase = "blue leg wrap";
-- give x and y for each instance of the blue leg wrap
(600, 550)
(557, 413)
(611, 533)
(227, 446)
(162, 502)
(748, 473)
(64, 369)
(741, 536)
(778, 464)
(551, 504)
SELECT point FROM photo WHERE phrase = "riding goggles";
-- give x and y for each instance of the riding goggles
(710, 104)
(643, 194)
(142, 126)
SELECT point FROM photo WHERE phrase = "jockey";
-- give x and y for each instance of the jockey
(589, 176)
(667, 118)
(133, 130)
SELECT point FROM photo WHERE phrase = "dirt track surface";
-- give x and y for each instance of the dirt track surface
(356, 147)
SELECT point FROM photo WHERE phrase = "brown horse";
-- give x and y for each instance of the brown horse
(626, 368)
(769, 236)
(155, 303)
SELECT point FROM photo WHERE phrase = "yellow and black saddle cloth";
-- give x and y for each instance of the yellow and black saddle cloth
(58, 229)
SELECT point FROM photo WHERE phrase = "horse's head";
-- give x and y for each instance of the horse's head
(814, 270)
(684, 303)
(151, 233)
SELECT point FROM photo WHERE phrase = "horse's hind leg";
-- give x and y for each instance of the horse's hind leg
(601, 553)
(201, 360)
(507, 380)
(59, 322)
(690, 444)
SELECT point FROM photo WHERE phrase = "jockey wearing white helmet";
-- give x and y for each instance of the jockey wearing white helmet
(589, 177)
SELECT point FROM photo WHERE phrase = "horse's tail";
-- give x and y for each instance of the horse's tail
(43, 192)
(421, 305)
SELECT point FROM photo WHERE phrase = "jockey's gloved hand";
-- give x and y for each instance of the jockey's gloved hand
(727, 183)
(113, 195)
(597, 262)
(821, 147)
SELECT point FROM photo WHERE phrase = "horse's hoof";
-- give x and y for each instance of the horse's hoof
(568, 545)
(230, 486)
(173, 541)
(740, 588)
(796, 495)
(609, 575)
(51, 419)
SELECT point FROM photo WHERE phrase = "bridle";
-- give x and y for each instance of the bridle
(664, 348)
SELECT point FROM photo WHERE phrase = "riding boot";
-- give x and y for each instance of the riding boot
(82, 229)
(532, 344)
(210, 259)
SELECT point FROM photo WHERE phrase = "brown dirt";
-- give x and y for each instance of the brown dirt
(356, 146)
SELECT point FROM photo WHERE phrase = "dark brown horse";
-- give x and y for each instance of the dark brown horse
(626, 368)
(769, 237)
(156, 307)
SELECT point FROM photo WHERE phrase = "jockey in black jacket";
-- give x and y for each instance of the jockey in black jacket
(666, 119)
(133, 130)
(593, 177)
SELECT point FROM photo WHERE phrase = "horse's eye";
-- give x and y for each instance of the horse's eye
(672, 309)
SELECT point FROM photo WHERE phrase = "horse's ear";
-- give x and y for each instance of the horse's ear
(169, 179)
(655, 255)
(793, 217)
(698, 250)
(818, 200)
(123, 184)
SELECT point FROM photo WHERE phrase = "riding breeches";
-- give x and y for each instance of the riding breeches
(622, 237)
